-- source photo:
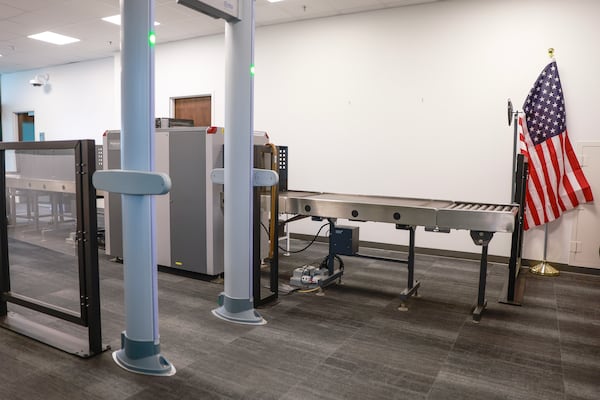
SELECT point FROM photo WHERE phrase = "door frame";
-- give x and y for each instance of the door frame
(191, 96)
(16, 128)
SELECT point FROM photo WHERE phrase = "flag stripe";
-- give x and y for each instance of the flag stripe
(570, 193)
(532, 218)
(582, 182)
(549, 202)
(567, 193)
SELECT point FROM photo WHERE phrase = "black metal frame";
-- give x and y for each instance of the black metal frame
(87, 252)
(259, 152)
(513, 291)
(282, 162)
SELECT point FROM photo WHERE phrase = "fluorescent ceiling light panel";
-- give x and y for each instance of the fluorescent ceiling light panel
(54, 38)
(274, 1)
(116, 19)
(113, 19)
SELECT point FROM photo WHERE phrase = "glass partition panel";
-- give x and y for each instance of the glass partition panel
(41, 212)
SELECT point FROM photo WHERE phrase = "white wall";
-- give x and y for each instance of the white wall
(78, 103)
(191, 68)
(412, 101)
(405, 102)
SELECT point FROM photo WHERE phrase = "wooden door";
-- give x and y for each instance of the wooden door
(195, 108)
(585, 242)
(25, 123)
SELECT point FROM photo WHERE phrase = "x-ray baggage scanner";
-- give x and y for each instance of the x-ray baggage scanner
(189, 219)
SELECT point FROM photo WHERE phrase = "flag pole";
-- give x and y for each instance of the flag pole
(512, 118)
(544, 268)
(514, 163)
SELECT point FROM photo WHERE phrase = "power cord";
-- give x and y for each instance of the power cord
(308, 245)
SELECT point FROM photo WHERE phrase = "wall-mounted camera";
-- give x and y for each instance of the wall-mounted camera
(39, 80)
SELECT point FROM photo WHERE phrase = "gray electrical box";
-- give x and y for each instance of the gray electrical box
(345, 240)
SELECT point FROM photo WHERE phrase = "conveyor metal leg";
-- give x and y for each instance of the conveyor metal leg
(13, 206)
(411, 258)
(36, 202)
(331, 255)
(481, 238)
(412, 286)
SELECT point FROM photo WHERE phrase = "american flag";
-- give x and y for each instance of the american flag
(556, 182)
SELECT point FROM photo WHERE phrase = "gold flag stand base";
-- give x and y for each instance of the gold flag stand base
(544, 269)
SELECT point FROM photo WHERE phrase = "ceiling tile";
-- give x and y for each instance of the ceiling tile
(82, 19)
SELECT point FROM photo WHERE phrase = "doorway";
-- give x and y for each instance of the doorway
(26, 126)
(585, 238)
(198, 109)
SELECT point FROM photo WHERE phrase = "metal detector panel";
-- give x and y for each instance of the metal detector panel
(225, 9)
(187, 224)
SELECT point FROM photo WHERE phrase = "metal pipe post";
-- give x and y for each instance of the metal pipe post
(140, 342)
(236, 302)
(545, 268)
(514, 159)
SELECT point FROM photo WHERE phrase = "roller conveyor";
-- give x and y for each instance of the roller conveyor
(439, 214)
(32, 187)
(482, 220)
(47, 185)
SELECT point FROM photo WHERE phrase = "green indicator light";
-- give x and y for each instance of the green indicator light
(152, 38)
(252, 69)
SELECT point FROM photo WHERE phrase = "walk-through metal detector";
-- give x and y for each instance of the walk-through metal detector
(140, 342)
(236, 303)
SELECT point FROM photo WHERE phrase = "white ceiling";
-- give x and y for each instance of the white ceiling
(82, 19)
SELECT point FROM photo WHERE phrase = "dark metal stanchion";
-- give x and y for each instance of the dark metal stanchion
(482, 239)
(259, 154)
(510, 295)
(88, 247)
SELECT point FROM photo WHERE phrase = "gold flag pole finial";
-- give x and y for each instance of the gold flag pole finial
(551, 52)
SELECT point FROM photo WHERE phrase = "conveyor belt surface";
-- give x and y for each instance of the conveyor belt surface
(442, 214)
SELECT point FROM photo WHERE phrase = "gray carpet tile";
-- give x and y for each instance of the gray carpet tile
(349, 342)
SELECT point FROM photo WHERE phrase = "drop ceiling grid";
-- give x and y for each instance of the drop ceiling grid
(82, 19)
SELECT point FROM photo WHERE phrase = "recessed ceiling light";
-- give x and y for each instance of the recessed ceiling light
(116, 19)
(54, 38)
(274, 1)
